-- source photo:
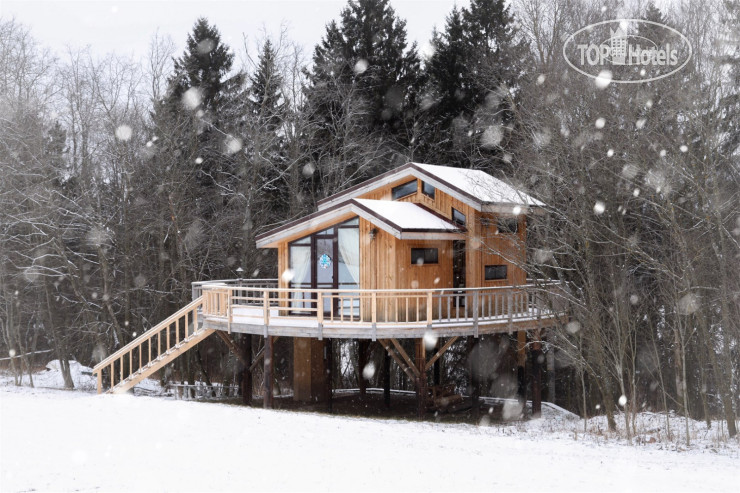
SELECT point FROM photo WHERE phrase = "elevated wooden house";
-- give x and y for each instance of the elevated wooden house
(420, 252)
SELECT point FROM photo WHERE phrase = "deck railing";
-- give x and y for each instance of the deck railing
(150, 347)
(361, 307)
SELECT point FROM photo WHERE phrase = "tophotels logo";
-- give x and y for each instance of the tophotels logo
(627, 51)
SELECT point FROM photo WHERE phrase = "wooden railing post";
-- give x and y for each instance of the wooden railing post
(429, 309)
(266, 309)
(510, 302)
(320, 313)
(476, 302)
(374, 314)
(100, 381)
(229, 311)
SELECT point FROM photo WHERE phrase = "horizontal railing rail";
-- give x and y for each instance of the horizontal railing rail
(150, 346)
(197, 286)
(382, 306)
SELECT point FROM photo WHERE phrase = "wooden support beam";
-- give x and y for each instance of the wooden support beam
(405, 356)
(537, 360)
(329, 375)
(521, 362)
(442, 351)
(269, 355)
(233, 348)
(399, 361)
(421, 382)
(261, 354)
(362, 350)
(246, 347)
(386, 379)
(474, 363)
(436, 364)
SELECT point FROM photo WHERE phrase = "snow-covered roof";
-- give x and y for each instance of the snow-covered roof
(406, 216)
(477, 188)
(404, 220)
(480, 185)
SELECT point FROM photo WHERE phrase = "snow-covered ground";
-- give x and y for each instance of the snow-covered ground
(54, 440)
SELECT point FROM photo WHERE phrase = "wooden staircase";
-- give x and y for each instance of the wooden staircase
(152, 350)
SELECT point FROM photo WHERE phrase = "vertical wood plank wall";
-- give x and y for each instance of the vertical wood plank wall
(385, 261)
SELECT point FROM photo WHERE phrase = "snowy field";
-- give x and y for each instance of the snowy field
(55, 440)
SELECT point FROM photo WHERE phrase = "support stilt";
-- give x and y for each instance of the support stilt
(421, 387)
(474, 382)
(362, 347)
(246, 350)
(269, 358)
(521, 362)
(437, 371)
(329, 355)
(386, 379)
(537, 360)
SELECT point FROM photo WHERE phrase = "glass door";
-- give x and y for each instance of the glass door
(325, 265)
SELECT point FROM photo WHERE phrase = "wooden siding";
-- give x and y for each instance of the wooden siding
(385, 261)
(502, 249)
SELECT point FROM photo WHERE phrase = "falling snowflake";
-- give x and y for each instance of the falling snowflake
(430, 340)
(603, 79)
(191, 98)
(361, 66)
(573, 327)
(599, 208)
(369, 371)
(123, 132)
(232, 144)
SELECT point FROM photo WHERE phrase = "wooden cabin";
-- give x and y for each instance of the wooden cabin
(418, 250)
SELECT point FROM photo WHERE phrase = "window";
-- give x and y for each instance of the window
(458, 217)
(508, 225)
(404, 190)
(427, 189)
(496, 272)
(421, 256)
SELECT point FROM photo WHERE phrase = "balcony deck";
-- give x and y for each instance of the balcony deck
(259, 307)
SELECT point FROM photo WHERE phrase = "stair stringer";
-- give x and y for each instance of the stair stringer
(159, 363)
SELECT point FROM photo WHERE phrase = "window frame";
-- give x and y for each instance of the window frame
(425, 251)
(464, 221)
(495, 266)
(424, 191)
(509, 220)
(399, 187)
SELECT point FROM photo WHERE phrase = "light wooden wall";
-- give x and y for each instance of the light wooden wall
(385, 261)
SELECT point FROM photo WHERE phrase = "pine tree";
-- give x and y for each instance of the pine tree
(205, 65)
(368, 49)
(266, 93)
(472, 79)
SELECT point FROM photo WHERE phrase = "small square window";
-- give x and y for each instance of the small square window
(458, 217)
(508, 225)
(422, 256)
(496, 272)
(404, 190)
(427, 189)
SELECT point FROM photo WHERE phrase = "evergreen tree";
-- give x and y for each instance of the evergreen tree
(368, 49)
(266, 94)
(472, 81)
(205, 65)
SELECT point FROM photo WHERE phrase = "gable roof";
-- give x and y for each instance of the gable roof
(476, 188)
(404, 220)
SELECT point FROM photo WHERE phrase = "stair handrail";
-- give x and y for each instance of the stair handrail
(148, 334)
